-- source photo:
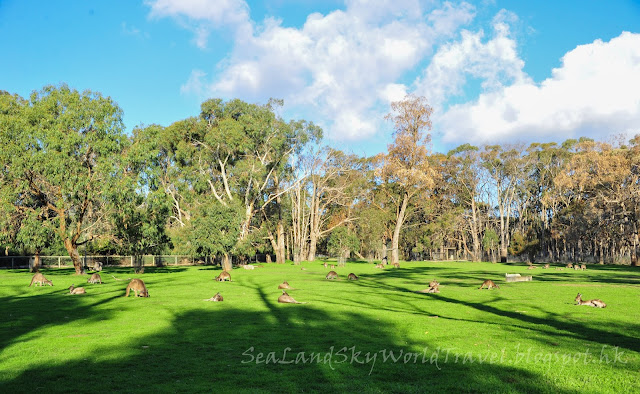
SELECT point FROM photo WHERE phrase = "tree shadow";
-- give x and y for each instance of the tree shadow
(287, 348)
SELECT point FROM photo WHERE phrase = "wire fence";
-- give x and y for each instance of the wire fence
(91, 262)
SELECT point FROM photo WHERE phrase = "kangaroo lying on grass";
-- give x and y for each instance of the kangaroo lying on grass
(77, 290)
(248, 266)
(40, 279)
(215, 298)
(95, 278)
(434, 287)
(569, 265)
(595, 303)
(381, 266)
(490, 285)
(546, 266)
(583, 267)
(287, 299)
(137, 285)
(332, 275)
(285, 285)
(224, 275)
(352, 276)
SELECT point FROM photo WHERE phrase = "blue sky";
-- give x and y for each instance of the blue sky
(494, 71)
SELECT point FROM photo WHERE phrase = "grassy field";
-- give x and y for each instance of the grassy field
(373, 335)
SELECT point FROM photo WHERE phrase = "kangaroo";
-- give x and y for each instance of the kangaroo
(95, 278)
(531, 267)
(434, 283)
(326, 265)
(287, 299)
(352, 276)
(381, 266)
(284, 285)
(224, 275)
(569, 265)
(559, 268)
(40, 279)
(333, 266)
(137, 285)
(583, 267)
(546, 266)
(216, 298)
(77, 290)
(397, 265)
(490, 285)
(595, 302)
(576, 267)
(332, 275)
(248, 266)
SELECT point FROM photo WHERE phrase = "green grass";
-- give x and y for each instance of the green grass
(524, 337)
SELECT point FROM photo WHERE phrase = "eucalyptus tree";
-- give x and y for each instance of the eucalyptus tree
(464, 174)
(236, 155)
(406, 171)
(507, 169)
(59, 159)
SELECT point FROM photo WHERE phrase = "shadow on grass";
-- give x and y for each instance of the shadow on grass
(221, 349)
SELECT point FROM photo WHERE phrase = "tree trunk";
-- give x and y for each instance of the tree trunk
(280, 252)
(474, 231)
(313, 240)
(36, 262)
(226, 263)
(396, 231)
(72, 249)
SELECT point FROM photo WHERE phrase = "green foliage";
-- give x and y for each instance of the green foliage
(342, 241)
(60, 154)
(490, 239)
(524, 244)
(213, 230)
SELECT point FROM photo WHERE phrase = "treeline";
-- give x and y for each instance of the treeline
(237, 180)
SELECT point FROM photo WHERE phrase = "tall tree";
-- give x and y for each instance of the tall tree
(406, 171)
(58, 160)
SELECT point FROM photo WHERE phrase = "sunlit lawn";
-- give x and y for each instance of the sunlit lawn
(373, 335)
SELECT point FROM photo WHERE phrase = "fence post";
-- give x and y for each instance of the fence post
(59, 265)
(175, 260)
(132, 261)
(12, 263)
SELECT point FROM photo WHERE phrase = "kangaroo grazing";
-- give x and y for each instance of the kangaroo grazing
(137, 285)
(352, 276)
(77, 290)
(490, 285)
(287, 299)
(40, 279)
(215, 298)
(397, 265)
(380, 266)
(583, 267)
(569, 265)
(546, 266)
(332, 275)
(284, 285)
(95, 278)
(224, 275)
(576, 267)
(595, 302)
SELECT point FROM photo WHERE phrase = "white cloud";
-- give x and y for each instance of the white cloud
(342, 67)
(495, 62)
(202, 16)
(595, 92)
